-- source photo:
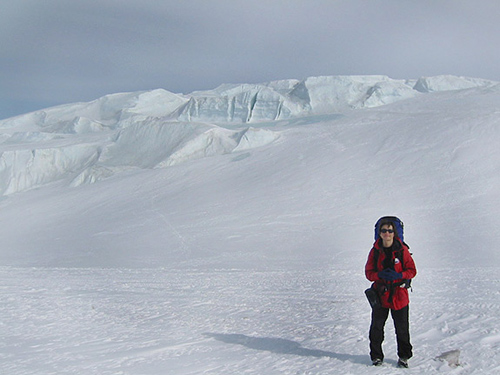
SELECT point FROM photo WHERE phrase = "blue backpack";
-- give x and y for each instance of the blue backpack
(399, 226)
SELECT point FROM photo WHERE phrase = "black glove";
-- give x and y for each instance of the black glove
(390, 275)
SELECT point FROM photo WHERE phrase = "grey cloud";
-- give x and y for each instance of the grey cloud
(57, 51)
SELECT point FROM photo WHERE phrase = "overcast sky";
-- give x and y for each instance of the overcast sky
(63, 51)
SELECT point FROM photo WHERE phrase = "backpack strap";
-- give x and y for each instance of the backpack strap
(376, 254)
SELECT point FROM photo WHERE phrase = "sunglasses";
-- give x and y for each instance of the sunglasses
(387, 230)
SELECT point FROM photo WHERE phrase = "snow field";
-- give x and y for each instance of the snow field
(158, 321)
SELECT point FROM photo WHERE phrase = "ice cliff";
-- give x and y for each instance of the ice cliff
(86, 142)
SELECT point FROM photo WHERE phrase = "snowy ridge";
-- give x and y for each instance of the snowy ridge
(154, 129)
(239, 103)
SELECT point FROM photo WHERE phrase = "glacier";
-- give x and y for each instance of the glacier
(155, 129)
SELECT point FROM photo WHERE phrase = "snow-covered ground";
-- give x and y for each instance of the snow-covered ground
(226, 231)
(223, 321)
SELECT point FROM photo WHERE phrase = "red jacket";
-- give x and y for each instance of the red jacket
(393, 297)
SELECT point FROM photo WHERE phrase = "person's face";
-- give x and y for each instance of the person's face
(387, 233)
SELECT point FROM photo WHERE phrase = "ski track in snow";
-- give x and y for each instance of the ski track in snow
(229, 321)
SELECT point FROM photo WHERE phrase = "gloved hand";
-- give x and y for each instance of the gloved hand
(390, 275)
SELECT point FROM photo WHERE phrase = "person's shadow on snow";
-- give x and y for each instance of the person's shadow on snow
(283, 346)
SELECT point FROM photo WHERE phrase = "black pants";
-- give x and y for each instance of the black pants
(402, 325)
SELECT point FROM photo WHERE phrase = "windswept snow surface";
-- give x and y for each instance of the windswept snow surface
(223, 321)
(227, 231)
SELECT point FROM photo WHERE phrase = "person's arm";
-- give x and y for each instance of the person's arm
(371, 271)
(409, 268)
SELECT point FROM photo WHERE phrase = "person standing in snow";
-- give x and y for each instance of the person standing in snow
(389, 266)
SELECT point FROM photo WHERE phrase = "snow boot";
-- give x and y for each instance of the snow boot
(402, 363)
(377, 362)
